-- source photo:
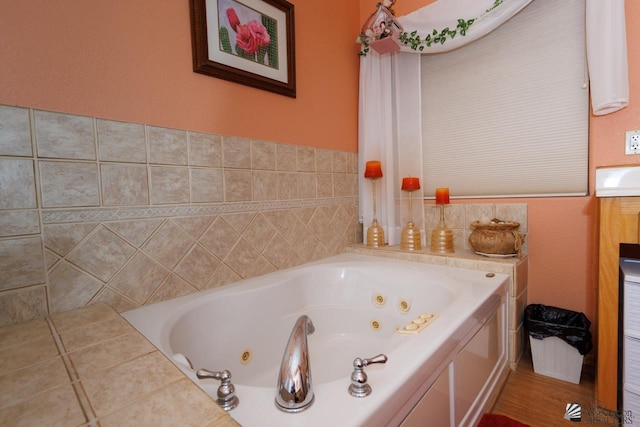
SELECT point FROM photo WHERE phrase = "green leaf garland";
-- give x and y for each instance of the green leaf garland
(415, 42)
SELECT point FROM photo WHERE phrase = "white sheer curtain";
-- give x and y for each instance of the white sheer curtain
(376, 140)
(607, 56)
(390, 131)
(389, 111)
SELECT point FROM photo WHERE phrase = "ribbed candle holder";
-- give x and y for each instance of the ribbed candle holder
(375, 233)
(410, 239)
(442, 237)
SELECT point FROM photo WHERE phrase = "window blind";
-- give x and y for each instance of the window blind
(507, 115)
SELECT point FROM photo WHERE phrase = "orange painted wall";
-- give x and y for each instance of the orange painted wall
(562, 238)
(131, 61)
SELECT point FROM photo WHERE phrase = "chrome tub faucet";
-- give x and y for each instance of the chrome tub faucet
(294, 392)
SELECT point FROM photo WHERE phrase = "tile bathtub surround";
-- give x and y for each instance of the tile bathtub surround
(90, 367)
(458, 218)
(516, 269)
(95, 210)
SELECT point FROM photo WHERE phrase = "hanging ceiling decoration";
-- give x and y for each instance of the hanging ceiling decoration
(381, 31)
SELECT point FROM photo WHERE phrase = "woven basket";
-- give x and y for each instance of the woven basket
(496, 239)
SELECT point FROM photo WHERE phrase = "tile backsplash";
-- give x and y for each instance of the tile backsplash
(459, 216)
(94, 210)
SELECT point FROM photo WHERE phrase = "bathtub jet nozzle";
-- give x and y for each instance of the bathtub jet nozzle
(294, 392)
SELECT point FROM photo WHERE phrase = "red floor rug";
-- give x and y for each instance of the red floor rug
(496, 420)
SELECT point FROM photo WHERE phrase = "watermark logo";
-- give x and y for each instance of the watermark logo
(597, 414)
(573, 412)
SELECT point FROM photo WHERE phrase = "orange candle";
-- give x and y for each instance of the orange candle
(410, 184)
(373, 169)
(442, 196)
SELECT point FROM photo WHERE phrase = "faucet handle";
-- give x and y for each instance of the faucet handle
(359, 386)
(380, 358)
(227, 398)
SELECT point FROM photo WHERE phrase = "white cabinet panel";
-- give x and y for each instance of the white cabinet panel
(631, 347)
(632, 309)
(433, 409)
(632, 363)
(474, 365)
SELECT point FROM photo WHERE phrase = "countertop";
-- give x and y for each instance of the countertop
(618, 181)
(463, 258)
(90, 367)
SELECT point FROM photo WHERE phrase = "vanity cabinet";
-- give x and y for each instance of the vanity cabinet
(617, 189)
(618, 224)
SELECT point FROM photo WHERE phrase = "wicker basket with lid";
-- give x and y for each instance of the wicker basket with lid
(497, 237)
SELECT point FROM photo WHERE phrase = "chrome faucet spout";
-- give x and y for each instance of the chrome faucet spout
(294, 392)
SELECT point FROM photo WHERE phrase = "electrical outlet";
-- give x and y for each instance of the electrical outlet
(632, 144)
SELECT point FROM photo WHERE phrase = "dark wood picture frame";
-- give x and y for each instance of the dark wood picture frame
(217, 46)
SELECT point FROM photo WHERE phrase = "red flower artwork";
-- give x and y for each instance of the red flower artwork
(233, 18)
(249, 37)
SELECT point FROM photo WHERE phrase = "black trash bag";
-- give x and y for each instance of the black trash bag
(542, 321)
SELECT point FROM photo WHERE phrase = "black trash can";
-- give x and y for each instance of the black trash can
(559, 340)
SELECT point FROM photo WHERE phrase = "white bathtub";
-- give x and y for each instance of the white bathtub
(342, 295)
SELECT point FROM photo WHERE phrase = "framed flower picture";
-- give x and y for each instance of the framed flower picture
(250, 42)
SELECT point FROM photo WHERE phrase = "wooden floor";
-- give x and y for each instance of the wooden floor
(541, 401)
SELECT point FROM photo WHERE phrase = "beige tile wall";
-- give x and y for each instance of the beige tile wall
(94, 210)
(458, 217)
